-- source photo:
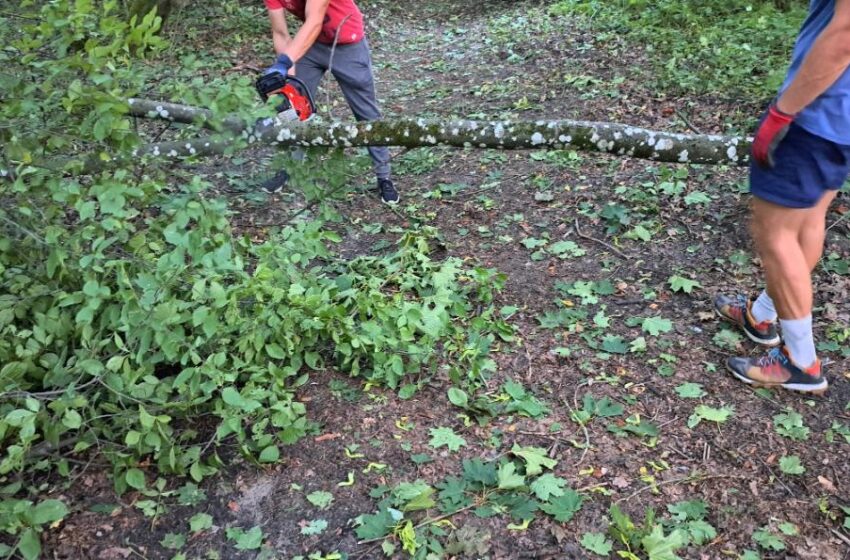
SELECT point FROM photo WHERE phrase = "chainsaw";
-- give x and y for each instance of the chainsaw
(294, 103)
(293, 98)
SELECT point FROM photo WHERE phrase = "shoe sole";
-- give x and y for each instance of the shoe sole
(819, 389)
(391, 202)
(772, 343)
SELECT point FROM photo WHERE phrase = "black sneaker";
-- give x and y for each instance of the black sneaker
(275, 184)
(737, 310)
(388, 193)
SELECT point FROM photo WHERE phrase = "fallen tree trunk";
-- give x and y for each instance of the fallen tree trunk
(612, 138)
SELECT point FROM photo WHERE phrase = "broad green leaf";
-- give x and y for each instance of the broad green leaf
(443, 436)
(564, 507)
(135, 478)
(656, 325)
(597, 543)
(173, 541)
(548, 485)
(690, 391)
(320, 499)
(535, 459)
(508, 479)
(29, 544)
(48, 511)
(458, 397)
(791, 465)
(659, 546)
(768, 541)
(704, 412)
(246, 540)
(314, 527)
(200, 522)
(270, 454)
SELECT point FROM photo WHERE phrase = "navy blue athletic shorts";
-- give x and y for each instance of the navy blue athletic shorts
(807, 166)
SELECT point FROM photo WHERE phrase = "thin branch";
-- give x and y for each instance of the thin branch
(603, 243)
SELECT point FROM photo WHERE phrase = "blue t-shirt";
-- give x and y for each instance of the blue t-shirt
(829, 115)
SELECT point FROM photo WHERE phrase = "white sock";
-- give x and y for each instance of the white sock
(763, 308)
(799, 340)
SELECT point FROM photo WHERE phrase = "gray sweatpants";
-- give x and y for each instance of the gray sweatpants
(352, 68)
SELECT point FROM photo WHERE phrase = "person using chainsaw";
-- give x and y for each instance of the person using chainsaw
(800, 159)
(331, 38)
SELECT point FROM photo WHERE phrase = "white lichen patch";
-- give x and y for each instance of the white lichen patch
(683, 156)
(664, 144)
(537, 139)
(499, 131)
(430, 139)
(732, 153)
(172, 153)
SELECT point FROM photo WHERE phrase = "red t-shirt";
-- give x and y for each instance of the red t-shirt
(342, 14)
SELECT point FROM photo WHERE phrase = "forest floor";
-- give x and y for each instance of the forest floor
(616, 365)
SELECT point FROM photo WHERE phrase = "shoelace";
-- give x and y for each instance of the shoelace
(773, 356)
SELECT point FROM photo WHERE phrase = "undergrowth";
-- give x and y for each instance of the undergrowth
(706, 47)
(136, 324)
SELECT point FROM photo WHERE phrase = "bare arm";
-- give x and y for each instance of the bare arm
(828, 59)
(314, 16)
(280, 33)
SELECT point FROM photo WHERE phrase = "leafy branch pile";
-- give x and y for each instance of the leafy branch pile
(134, 321)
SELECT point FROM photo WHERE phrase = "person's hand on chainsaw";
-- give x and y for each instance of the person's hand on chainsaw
(770, 134)
(283, 64)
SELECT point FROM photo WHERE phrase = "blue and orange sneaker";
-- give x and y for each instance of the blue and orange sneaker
(737, 310)
(776, 369)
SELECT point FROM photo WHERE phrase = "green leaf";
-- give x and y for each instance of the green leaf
(548, 485)
(320, 499)
(700, 531)
(29, 544)
(596, 543)
(246, 540)
(135, 478)
(768, 541)
(477, 471)
(614, 345)
(48, 511)
(704, 412)
(790, 425)
(690, 391)
(787, 528)
(563, 508)
(791, 465)
(681, 284)
(200, 522)
(508, 479)
(750, 555)
(314, 527)
(173, 541)
(374, 526)
(659, 546)
(270, 454)
(535, 459)
(275, 351)
(443, 436)
(656, 325)
(458, 397)
(688, 510)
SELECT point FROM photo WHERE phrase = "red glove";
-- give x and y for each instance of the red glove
(773, 129)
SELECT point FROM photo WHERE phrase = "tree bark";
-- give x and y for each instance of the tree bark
(611, 138)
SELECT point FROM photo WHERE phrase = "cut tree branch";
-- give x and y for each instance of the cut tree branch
(612, 138)
(234, 132)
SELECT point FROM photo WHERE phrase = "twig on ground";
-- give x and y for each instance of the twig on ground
(687, 122)
(685, 479)
(603, 243)
(838, 534)
(428, 521)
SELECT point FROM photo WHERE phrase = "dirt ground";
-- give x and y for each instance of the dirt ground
(494, 59)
